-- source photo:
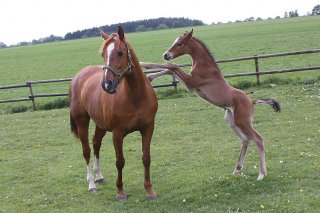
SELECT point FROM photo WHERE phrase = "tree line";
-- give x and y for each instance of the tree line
(144, 25)
(132, 26)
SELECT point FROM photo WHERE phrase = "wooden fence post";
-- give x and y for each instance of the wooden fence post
(257, 69)
(31, 97)
(174, 83)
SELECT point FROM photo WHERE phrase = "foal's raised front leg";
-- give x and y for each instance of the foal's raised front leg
(153, 76)
(182, 76)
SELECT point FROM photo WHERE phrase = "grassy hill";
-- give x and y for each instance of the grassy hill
(64, 59)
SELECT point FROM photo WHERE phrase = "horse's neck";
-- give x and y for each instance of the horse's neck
(136, 80)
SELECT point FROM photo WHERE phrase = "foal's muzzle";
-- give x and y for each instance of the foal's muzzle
(109, 86)
(167, 56)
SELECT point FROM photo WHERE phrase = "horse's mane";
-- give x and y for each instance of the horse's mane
(205, 47)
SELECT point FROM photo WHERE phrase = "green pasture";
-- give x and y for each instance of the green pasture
(193, 150)
(64, 59)
(193, 156)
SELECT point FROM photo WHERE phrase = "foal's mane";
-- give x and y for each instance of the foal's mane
(205, 47)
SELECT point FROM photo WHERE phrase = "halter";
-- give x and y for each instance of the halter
(118, 74)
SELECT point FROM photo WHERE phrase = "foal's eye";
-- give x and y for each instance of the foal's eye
(120, 53)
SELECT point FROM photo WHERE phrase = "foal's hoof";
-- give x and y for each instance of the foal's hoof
(93, 190)
(122, 197)
(237, 170)
(100, 180)
(152, 197)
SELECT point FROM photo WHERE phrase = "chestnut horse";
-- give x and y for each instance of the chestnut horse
(119, 98)
(206, 79)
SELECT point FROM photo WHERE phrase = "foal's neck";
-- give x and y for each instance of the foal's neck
(201, 56)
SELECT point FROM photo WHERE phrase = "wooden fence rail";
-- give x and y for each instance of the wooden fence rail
(174, 82)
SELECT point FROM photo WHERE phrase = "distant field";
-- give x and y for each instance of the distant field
(64, 59)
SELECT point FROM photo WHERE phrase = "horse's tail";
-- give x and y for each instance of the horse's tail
(74, 128)
(275, 104)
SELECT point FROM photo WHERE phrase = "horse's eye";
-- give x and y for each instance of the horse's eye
(120, 53)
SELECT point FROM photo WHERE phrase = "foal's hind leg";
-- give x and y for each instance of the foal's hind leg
(245, 141)
(83, 128)
(245, 126)
(258, 139)
(97, 138)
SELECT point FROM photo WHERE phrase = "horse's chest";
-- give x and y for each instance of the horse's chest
(129, 119)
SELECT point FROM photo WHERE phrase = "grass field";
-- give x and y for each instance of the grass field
(193, 150)
(193, 156)
(64, 59)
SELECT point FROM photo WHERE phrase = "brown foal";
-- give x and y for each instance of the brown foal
(206, 79)
(119, 98)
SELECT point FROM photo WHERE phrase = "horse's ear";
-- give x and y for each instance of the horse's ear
(103, 34)
(120, 33)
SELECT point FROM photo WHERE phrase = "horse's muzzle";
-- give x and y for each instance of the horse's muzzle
(109, 86)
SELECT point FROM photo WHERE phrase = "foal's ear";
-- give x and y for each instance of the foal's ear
(103, 34)
(120, 33)
(189, 35)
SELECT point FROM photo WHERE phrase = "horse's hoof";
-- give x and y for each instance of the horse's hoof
(100, 181)
(261, 176)
(93, 190)
(152, 197)
(122, 197)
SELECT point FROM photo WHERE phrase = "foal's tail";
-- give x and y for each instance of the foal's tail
(74, 128)
(275, 104)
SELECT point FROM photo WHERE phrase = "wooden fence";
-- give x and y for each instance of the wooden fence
(174, 82)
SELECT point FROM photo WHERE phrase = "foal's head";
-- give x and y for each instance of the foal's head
(179, 46)
(117, 59)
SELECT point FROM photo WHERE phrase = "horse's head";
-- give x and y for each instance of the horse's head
(117, 60)
(179, 46)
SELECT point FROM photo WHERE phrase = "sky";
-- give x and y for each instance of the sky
(25, 20)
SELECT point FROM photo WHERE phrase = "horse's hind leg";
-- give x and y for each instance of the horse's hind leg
(97, 138)
(83, 128)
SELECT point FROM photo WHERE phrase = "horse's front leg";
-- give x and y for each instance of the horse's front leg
(146, 159)
(117, 137)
